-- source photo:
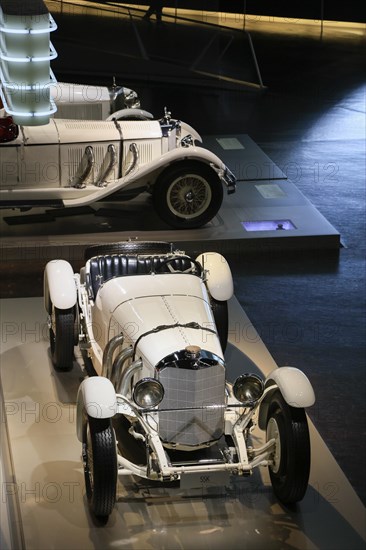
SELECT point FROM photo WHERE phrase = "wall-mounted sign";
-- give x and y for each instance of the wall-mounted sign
(25, 56)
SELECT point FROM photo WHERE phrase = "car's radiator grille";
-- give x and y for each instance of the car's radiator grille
(188, 388)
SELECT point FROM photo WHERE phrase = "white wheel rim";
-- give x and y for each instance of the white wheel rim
(274, 433)
(189, 196)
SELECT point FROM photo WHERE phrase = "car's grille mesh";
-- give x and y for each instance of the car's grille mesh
(185, 388)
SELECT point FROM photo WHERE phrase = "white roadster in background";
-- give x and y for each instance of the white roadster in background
(69, 163)
(91, 102)
(152, 326)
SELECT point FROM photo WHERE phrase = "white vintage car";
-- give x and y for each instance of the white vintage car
(78, 162)
(152, 326)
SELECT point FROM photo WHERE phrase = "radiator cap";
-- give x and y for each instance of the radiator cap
(193, 352)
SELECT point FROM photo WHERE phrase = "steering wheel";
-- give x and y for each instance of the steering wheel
(196, 266)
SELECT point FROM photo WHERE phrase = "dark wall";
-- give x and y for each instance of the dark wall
(335, 10)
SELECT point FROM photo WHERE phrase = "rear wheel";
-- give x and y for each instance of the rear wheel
(128, 247)
(100, 465)
(188, 195)
(290, 469)
(62, 337)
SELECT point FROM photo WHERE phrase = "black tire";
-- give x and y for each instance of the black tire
(100, 465)
(76, 325)
(290, 472)
(62, 337)
(220, 313)
(188, 195)
(128, 247)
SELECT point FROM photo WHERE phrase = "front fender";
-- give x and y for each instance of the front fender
(219, 279)
(97, 397)
(151, 172)
(294, 386)
(59, 286)
(187, 129)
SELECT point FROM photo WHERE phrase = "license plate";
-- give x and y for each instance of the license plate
(196, 480)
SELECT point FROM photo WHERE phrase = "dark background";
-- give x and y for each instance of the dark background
(352, 10)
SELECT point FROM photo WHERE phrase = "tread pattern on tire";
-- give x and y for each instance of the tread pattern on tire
(62, 342)
(102, 495)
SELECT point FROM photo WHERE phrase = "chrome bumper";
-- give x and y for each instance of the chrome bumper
(227, 177)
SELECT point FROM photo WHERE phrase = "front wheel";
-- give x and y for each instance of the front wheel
(290, 468)
(188, 196)
(100, 465)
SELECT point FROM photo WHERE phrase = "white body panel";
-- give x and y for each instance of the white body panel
(41, 163)
(59, 285)
(90, 102)
(140, 129)
(144, 302)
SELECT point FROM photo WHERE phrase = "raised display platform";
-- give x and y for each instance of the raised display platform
(48, 479)
(267, 212)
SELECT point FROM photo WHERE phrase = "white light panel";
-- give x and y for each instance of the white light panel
(25, 56)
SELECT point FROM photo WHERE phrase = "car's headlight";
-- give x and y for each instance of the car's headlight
(248, 388)
(148, 393)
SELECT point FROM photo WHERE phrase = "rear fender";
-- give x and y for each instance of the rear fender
(97, 397)
(294, 386)
(219, 279)
(59, 286)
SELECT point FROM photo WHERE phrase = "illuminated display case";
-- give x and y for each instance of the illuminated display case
(25, 56)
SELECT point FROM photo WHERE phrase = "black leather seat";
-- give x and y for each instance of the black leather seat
(104, 268)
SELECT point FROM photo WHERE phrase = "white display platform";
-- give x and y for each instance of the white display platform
(287, 219)
(49, 484)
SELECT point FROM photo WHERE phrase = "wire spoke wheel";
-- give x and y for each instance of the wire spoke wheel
(188, 195)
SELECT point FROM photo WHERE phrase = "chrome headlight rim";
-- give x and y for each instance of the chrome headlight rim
(248, 389)
(150, 388)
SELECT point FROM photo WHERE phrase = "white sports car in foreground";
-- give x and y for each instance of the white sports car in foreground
(69, 163)
(152, 326)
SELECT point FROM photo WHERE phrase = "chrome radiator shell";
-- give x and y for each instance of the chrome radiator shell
(191, 413)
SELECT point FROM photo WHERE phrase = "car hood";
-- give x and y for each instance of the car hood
(160, 314)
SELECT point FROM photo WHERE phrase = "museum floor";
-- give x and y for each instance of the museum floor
(308, 307)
